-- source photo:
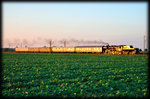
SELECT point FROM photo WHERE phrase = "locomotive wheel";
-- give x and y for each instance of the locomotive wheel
(116, 52)
(126, 52)
(106, 51)
(113, 52)
(132, 53)
(119, 53)
(109, 52)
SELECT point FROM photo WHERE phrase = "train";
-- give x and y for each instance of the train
(108, 49)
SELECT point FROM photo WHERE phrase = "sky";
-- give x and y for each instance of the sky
(123, 23)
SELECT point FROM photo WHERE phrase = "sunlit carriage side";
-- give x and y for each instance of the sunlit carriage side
(44, 50)
(33, 50)
(88, 49)
(63, 49)
(21, 50)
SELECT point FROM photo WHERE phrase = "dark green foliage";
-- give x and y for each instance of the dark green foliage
(60, 75)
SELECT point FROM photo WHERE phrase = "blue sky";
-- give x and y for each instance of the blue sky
(115, 23)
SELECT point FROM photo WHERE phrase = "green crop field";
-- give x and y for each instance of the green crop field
(74, 75)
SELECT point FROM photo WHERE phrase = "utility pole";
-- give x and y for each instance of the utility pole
(9, 45)
(144, 44)
(50, 43)
(64, 43)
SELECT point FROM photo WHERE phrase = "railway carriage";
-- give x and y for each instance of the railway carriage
(63, 49)
(33, 50)
(88, 49)
(44, 50)
(21, 50)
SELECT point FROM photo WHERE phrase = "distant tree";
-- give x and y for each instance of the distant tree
(25, 42)
(74, 41)
(45, 47)
(8, 43)
(50, 42)
(16, 42)
(33, 42)
(64, 42)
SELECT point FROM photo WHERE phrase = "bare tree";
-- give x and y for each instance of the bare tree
(72, 41)
(50, 42)
(9, 43)
(25, 42)
(33, 42)
(64, 42)
(16, 42)
(77, 42)
(91, 42)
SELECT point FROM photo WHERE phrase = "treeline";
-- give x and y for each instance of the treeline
(8, 49)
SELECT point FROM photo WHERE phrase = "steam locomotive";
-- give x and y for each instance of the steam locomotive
(113, 49)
